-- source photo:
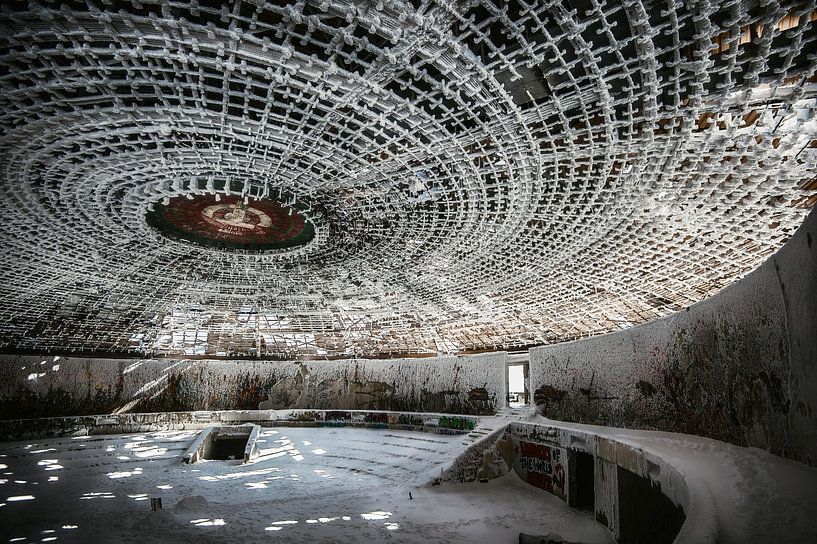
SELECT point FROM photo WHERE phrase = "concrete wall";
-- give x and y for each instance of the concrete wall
(606, 494)
(639, 497)
(33, 387)
(542, 465)
(740, 367)
(27, 429)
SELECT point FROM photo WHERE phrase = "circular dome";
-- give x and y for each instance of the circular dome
(481, 175)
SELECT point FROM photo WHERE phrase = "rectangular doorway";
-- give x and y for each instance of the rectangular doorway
(584, 478)
(517, 380)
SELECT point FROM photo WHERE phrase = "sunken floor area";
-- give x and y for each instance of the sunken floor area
(340, 485)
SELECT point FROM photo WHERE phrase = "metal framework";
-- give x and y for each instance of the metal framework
(481, 174)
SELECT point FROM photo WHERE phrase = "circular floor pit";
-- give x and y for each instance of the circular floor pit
(231, 222)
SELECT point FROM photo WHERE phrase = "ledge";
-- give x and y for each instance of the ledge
(22, 429)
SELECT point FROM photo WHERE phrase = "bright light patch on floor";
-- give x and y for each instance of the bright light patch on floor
(97, 495)
(149, 452)
(378, 514)
(124, 473)
(207, 522)
(235, 475)
(18, 498)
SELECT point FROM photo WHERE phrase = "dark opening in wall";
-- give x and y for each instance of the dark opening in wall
(585, 482)
(645, 514)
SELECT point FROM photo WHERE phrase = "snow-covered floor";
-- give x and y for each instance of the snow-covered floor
(309, 485)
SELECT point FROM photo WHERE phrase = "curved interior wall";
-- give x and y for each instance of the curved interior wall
(32, 387)
(739, 367)
(638, 496)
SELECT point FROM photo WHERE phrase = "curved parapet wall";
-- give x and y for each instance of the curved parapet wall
(651, 487)
(32, 387)
(636, 494)
(20, 429)
(739, 367)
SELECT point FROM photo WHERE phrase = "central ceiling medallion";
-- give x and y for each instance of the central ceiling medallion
(231, 222)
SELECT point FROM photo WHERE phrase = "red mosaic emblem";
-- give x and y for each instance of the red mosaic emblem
(230, 222)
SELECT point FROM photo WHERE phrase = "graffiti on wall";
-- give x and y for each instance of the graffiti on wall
(459, 423)
(544, 467)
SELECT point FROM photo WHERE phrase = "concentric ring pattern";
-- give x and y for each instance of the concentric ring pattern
(480, 174)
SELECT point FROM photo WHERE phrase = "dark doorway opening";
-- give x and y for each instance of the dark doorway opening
(646, 515)
(585, 482)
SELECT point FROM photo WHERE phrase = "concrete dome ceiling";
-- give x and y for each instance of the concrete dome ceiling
(479, 175)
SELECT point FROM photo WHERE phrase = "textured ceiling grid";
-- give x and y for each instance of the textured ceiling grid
(480, 174)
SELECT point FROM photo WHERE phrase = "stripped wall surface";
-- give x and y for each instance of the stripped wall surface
(606, 494)
(739, 367)
(44, 387)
